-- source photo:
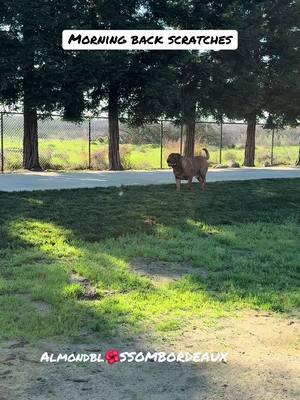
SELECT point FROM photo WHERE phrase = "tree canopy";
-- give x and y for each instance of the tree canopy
(259, 79)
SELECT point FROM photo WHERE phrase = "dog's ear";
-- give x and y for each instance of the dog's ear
(178, 158)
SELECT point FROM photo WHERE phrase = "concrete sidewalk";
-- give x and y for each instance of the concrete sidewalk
(89, 179)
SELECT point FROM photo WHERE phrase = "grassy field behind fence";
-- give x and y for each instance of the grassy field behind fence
(247, 257)
(73, 154)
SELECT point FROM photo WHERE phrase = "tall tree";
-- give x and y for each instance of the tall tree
(259, 77)
(36, 69)
(116, 73)
(193, 69)
(283, 63)
(20, 24)
(241, 90)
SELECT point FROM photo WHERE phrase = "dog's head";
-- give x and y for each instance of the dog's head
(173, 160)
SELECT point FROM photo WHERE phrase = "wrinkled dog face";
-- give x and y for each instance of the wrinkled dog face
(173, 159)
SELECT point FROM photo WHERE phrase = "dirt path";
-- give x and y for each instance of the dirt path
(262, 364)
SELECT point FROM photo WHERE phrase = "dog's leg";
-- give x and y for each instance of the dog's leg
(202, 181)
(190, 182)
(178, 181)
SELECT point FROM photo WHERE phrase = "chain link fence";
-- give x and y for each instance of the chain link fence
(63, 144)
(66, 145)
(140, 147)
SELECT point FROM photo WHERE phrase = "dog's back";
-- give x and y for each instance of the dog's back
(195, 166)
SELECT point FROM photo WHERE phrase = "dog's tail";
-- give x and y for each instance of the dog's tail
(206, 152)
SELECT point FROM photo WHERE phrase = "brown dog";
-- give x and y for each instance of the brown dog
(185, 168)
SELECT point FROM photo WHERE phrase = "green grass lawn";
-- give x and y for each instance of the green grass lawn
(73, 154)
(245, 235)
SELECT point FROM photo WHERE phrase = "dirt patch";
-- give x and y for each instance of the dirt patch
(89, 292)
(262, 364)
(40, 306)
(165, 272)
(263, 361)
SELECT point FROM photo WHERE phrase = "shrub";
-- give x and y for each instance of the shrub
(125, 153)
(229, 155)
(144, 165)
(171, 146)
(99, 159)
(262, 159)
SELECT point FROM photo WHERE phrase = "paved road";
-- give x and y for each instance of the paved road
(69, 180)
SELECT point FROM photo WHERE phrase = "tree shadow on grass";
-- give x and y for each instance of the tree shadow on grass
(49, 227)
(96, 214)
(47, 235)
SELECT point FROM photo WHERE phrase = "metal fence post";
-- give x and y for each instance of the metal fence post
(181, 131)
(161, 142)
(2, 144)
(89, 136)
(272, 147)
(221, 143)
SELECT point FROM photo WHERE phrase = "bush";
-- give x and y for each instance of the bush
(99, 160)
(229, 156)
(125, 153)
(171, 146)
(262, 159)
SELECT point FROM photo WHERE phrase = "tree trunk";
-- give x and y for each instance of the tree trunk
(113, 129)
(189, 109)
(189, 131)
(250, 141)
(30, 137)
(30, 140)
